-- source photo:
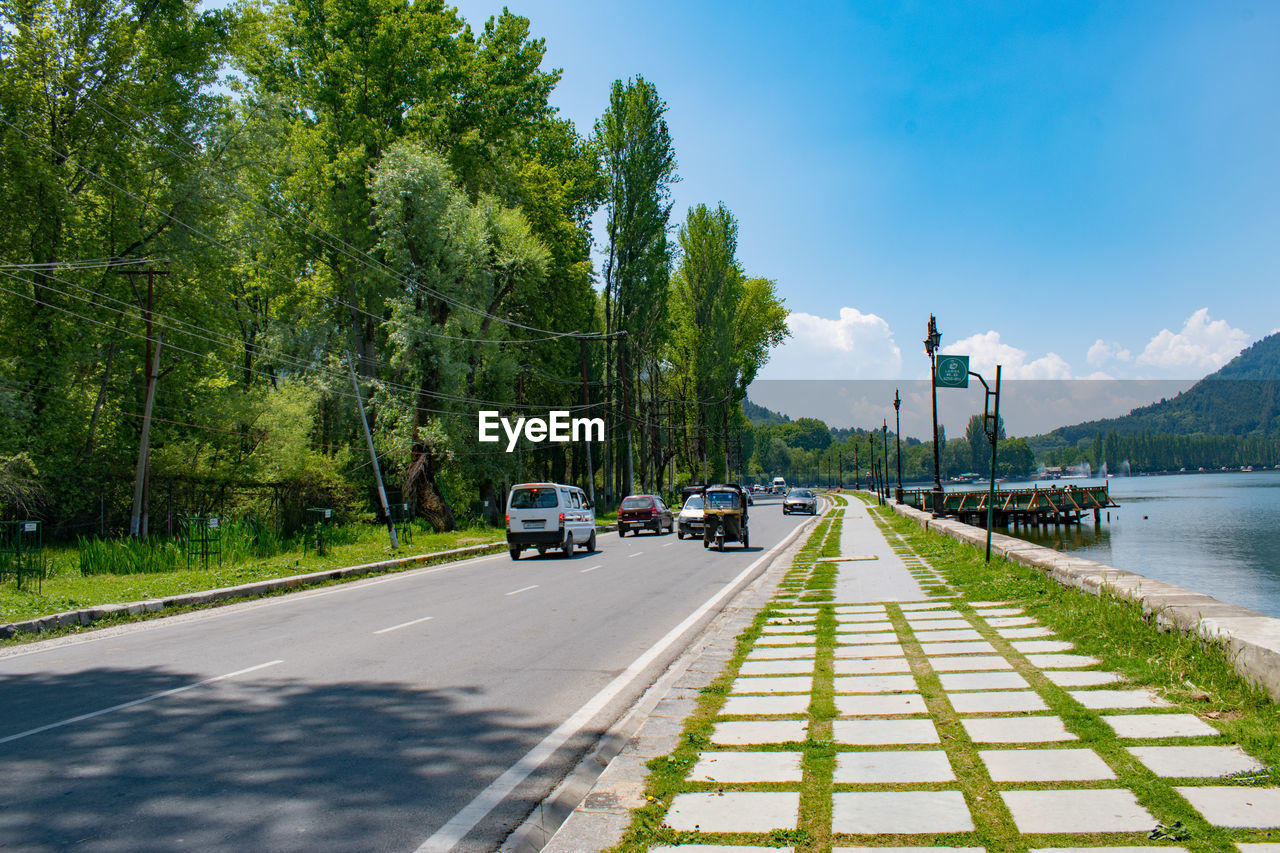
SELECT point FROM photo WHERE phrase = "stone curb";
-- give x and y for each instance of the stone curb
(591, 810)
(1252, 638)
(89, 615)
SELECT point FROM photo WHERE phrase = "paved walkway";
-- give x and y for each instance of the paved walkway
(945, 730)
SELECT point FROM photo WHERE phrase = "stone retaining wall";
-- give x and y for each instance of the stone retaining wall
(89, 615)
(1252, 639)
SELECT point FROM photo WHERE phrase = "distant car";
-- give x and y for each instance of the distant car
(644, 512)
(800, 500)
(690, 521)
(779, 486)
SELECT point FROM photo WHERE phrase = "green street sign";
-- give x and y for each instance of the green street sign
(952, 371)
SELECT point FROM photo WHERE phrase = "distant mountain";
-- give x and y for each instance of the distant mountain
(759, 415)
(1241, 399)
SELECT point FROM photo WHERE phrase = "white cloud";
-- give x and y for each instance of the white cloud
(1203, 344)
(985, 351)
(1101, 352)
(853, 346)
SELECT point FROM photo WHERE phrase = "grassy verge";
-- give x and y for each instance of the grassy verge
(67, 589)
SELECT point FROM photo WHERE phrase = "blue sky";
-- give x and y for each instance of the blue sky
(1075, 189)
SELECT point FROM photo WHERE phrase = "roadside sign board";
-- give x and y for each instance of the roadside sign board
(952, 371)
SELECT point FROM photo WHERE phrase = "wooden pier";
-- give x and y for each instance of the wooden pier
(1053, 506)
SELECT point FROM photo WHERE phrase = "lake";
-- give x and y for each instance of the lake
(1218, 534)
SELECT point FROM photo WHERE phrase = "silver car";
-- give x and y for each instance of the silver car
(800, 500)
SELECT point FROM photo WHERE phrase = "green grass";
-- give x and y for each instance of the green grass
(67, 589)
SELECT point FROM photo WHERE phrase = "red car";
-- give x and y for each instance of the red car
(644, 512)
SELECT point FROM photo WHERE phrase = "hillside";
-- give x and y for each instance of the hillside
(760, 415)
(1241, 399)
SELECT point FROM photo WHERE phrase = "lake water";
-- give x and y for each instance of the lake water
(1218, 534)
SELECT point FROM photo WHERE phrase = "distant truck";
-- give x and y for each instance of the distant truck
(779, 486)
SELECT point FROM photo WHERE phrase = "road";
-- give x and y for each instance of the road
(396, 713)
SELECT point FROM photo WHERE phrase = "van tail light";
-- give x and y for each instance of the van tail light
(508, 518)
(562, 518)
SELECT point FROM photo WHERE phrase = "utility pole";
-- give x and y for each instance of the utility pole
(151, 366)
(373, 457)
(591, 471)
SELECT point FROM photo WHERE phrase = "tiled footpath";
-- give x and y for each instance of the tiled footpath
(875, 708)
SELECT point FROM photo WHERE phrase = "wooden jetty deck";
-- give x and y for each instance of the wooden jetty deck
(1056, 505)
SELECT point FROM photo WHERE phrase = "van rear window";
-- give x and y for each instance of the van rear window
(533, 499)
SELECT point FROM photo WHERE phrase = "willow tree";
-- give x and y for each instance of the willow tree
(640, 167)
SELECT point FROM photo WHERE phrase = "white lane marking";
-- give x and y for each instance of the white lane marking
(518, 591)
(668, 545)
(151, 698)
(636, 554)
(592, 569)
(405, 625)
(448, 836)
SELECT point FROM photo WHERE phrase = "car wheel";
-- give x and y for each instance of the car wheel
(746, 539)
(679, 534)
(566, 547)
(515, 553)
(591, 543)
(657, 528)
(622, 532)
(705, 544)
(542, 550)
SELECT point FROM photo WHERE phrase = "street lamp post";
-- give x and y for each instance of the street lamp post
(875, 472)
(857, 470)
(931, 342)
(897, 438)
(884, 458)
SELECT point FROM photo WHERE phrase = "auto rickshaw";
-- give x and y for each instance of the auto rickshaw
(724, 516)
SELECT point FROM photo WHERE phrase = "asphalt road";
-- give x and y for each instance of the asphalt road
(397, 713)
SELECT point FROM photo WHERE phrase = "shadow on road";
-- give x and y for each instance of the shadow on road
(260, 765)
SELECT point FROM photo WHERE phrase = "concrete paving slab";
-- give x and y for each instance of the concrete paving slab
(787, 684)
(961, 648)
(947, 636)
(1023, 633)
(1062, 661)
(863, 627)
(983, 681)
(861, 618)
(1012, 622)
(1081, 678)
(884, 579)
(765, 706)
(976, 605)
(933, 615)
(899, 812)
(874, 683)
(880, 705)
(748, 767)
(1239, 808)
(774, 630)
(1099, 699)
(919, 625)
(786, 640)
(1106, 810)
(879, 650)
(735, 811)
(797, 611)
(1045, 765)
(1032, 647)
(926, 605)
(892, 768)
(997, 702)
(1186, 762)
(776, 667)
(1109, 849)
(883, 732)
(969, 663)
(728, 848)
(1017, 729)
(1260, 847)
(781, 653)
(859, 608)
(1144, 726)
(989, 612)
(871, 666)
(868, 639)
(747, 732)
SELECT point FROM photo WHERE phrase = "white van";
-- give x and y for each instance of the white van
(549, 515)
(779, 486)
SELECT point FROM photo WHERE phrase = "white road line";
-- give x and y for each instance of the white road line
(592, 569)
(405, 625)
(636, 554)
(144, 699)
(668, 545)
(448, 836)
(518, 591)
